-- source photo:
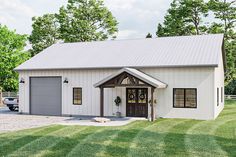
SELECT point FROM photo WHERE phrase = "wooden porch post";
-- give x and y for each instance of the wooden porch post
(101, 101)
(152, 105)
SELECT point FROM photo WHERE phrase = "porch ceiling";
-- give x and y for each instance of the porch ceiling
(136, 74)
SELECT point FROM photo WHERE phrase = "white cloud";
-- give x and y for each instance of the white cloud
(124, 34)
(136, 17)
(16, 15)
(120, 4)
(5, 18)
(140, 16)
(16, 7)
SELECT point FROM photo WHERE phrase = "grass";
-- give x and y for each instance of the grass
(164, 137)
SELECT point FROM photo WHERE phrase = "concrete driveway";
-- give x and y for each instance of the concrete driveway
(13, 121)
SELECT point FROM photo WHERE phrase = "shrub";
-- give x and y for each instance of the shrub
(230, 89)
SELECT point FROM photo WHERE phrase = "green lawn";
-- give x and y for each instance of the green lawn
(165, 137)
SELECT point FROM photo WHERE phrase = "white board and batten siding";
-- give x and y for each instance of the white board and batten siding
(77, 78)
(219, 83)
(201, 78)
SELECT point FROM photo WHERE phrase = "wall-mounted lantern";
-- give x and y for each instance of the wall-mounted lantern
(22, 80)
(66, 81)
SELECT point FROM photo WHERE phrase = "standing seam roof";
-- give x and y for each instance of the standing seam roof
(199, 50)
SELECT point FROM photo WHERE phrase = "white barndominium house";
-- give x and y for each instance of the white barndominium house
(169, 77)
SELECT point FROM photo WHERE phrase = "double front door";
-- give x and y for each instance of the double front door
(137, 102)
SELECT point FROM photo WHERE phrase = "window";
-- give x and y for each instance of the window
(217, 96)
(185, 98)
(222, 94)
(77, 96)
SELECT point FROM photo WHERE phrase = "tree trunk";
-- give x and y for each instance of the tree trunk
(197, 30)
(1, 97)
(196, 20)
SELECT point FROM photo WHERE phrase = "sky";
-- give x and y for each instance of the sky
(136, 17)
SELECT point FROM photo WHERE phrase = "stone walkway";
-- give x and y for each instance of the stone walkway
(89, 122)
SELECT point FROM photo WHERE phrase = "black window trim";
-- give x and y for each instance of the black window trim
(74, 95)
(218, 96)
(184, 97)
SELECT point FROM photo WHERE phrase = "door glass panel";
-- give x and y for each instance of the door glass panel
(142, 96)
(131, 96)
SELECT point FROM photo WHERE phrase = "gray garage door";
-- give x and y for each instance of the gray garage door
(45, 96)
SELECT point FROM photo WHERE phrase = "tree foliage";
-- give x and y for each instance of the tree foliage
(225, 12)
(86, 20)
(11, 55)
(230, 89)
(173, 24)
(78, 21)
(149, 35)
(45, 32)
(230, 48)
(186, 17)
(193, 12)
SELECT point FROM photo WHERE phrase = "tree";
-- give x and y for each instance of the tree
(86, 20)
(230, 49)
(184, 18)
(45, 33)
(161, 31)
(149, 35)
(79, 21)
(225, 11)
(193, 12)
(11, 55)
(173, 24)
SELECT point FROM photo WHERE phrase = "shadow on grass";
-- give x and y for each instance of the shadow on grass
(175, 145)
(88, 144)
(121, 145)
(228, 145)
(12, 145)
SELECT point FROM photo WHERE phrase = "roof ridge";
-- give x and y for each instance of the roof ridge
(135, 39)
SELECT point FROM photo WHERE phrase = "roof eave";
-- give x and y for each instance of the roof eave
(118, 67)
(129, 70)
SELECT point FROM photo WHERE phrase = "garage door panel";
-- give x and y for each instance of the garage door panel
(45, 96)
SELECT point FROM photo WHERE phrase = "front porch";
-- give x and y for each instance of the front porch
(139, 95)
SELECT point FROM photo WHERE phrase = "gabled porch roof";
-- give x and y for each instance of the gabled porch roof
(136, 74)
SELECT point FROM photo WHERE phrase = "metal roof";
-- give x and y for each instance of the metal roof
(199, 50)
(136, 73)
